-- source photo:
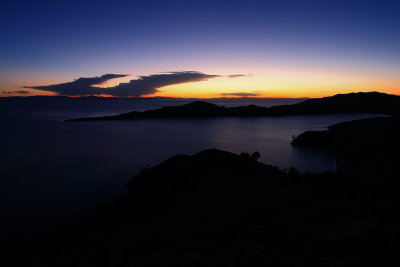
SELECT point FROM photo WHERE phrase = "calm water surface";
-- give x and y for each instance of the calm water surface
(50, 168)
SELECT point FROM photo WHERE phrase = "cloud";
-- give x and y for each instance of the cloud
(144, 85)
(243, 94)
(236, 75)
(81, 86)
(16, 92)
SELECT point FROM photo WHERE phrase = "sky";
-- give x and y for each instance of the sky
(269, 48)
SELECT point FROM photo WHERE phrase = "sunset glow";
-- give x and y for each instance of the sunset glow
(313, 49)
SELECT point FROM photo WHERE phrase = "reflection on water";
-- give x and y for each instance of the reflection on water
(50, 167)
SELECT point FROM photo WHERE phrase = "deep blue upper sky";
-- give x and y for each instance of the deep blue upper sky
(70, 39)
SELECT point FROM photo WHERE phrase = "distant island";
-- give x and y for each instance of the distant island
(372, 102)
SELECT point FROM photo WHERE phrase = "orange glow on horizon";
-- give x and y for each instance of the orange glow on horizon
(284, 84)
(271, 83)
(316, 95)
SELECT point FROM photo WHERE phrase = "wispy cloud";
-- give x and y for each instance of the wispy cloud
(242, 94)
(16, 92)
(236, 75)
(144, 85)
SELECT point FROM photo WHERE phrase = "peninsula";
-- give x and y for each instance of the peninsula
(372, 102)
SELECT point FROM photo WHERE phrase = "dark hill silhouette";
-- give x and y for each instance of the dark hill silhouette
(372, 102)
(217, 208)
(368, 145)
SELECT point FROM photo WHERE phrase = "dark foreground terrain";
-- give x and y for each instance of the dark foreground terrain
(216, 208)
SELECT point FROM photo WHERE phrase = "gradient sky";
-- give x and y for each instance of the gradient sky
(301, 48)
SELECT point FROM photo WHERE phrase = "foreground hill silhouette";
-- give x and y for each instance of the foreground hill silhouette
(372, 102)
(217, 208)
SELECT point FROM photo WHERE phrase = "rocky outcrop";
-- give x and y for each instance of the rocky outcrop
(368, 146)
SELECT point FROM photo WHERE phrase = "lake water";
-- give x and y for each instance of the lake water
(50, 168)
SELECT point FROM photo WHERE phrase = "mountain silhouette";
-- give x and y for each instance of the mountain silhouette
(372, 102)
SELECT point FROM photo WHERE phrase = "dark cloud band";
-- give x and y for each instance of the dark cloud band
(15, 92)
(243, 94)
(144, 85)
